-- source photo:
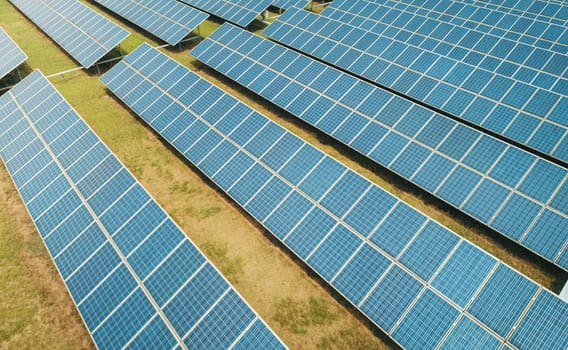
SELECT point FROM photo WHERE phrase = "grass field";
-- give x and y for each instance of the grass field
(34, 306)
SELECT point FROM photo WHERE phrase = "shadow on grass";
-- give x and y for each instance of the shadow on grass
(14, 77)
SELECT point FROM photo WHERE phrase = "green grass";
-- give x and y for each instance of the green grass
(299, 315)
(232, 267)
(302, 313)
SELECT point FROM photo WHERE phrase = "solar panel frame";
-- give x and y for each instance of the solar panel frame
(242, 169)
(545, 134)
(12, 55)
(106, 272)
(424, 151)
(171, 20)
(87, 37)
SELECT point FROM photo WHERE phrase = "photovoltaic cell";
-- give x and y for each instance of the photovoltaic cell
(125, 263)
(443, 80)
(169, 20)
(83, 33)
(12, 56)
(389, 290)
(482, 176)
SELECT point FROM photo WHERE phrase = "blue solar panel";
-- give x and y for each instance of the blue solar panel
(65, 22)
(550, 312)
(12, 56)
(240, 12)
(435, 240)
(303, 214)
(464, 273)
(126, 264)
(426, 323)
(169, 20)
(484, 177)
(440, 79)
(392, 296)
(469, 335)
(359, 275)
(503, 299)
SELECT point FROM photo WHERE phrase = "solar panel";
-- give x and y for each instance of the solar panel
(240, 12)
(313, 204)
(83, 33)
(169, 20)
(536, 30)
(285, 4)
(136, 279)
(11, 56)
(482, 176)
(520, 112)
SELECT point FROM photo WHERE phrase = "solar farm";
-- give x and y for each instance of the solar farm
(283, 174)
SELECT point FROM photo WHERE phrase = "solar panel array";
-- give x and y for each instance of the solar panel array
(136, 279)
(550, 11)
(169, 20)
(541, 31)
(240, 12)
(532, 116)
(535, 58)
(11, 56)
(286, 4)
(83, 33)
(419, 282)
(514, 192)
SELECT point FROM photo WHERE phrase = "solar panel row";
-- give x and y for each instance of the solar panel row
(83, 33)
(169, 20)
(240, 12)
(508, 189)
(286, 4)
(520, 112)
(538, 62)
(11, 56)
(550, 11)
(419, 282)
(474, 16)
(135, 278)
